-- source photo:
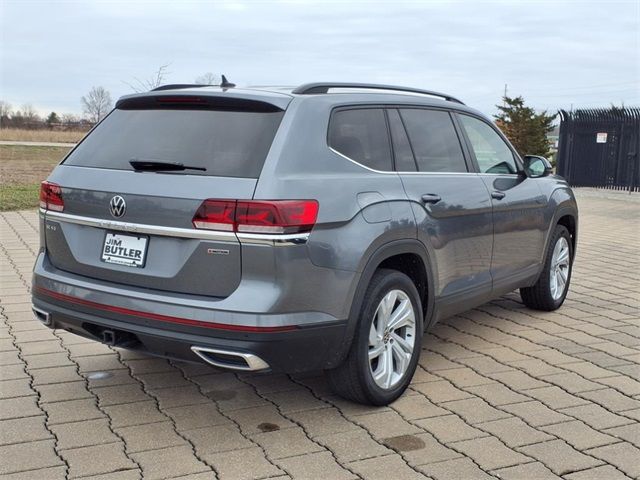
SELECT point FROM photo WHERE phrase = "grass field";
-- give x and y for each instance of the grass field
(22, 135)
(21, 171)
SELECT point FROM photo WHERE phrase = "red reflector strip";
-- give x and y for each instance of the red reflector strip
(163, 318)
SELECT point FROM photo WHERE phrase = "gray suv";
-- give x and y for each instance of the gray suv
(323, 227)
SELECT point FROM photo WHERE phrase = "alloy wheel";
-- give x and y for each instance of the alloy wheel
(392, 339)
(559, 271)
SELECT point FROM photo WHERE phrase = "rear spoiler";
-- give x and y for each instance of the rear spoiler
(232, 100)
(166, 101)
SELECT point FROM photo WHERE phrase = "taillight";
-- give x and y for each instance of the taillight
(282, 216)
(260, 216)
(216, 215)
(51, 196)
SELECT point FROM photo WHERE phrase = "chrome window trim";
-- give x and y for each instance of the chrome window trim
(499, 174)
(447, 109)
(245, 238)
(397, 172)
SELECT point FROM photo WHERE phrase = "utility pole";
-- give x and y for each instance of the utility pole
(504, 97)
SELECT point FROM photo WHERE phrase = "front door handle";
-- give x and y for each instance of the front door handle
(430, 198)
(498, 195)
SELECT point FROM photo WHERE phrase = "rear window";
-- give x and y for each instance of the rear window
(226, 143)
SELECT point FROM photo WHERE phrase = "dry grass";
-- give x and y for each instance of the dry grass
(21, 164)
(21, 171)
(22, 135)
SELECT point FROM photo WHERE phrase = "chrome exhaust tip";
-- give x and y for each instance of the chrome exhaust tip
(41, 315)
(229, 359)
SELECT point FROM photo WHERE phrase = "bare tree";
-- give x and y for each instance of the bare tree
(69, 118)
(150, 83)
(96, 104)
(207, 79)
(29, 113)
(70, 121)
(5, 113)
(5, 109)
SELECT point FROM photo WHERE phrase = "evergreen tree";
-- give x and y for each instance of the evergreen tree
(525, 129)
(52, 118)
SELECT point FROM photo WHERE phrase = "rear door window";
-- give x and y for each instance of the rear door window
(361, 135)
(226, 143)
(434, 140)
(401, 146)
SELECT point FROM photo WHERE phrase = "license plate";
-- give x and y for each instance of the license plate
(122, 249)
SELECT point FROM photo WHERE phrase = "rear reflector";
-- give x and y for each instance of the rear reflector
(257, 216)
(163, 318)
(51, 197)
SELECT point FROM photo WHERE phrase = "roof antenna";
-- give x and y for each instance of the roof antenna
(226, 83)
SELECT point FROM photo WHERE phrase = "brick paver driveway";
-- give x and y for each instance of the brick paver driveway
(500, 391)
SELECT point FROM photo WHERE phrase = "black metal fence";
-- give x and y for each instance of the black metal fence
(600, 148)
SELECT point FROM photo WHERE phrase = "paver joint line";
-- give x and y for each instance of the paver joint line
(525, 390)
(235, 423)
(255, 389)
(524, 393)
(19, 350)
(488, 378)
(169, 418)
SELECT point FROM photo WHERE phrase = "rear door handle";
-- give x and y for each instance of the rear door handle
(430, 198)
(498, 195)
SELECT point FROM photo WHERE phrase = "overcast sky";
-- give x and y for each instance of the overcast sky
(554, 53)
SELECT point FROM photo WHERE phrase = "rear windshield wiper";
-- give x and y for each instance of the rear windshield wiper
(155, 166)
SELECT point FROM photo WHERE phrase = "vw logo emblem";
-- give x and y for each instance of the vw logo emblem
(117, 206)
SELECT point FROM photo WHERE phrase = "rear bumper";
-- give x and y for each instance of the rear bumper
(297, 350)
(289, 342)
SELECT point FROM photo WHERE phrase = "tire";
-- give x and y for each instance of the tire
(394, 365)
(548, 294)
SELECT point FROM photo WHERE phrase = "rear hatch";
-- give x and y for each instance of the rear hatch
(131, 223)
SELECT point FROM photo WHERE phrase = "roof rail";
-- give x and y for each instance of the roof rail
(311, 88)
(178, 86)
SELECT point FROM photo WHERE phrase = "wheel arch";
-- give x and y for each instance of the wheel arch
(566, 215)
(407, 256)
(565, 212)
(570, 222)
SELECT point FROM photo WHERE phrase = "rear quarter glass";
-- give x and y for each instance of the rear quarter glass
(226, 143)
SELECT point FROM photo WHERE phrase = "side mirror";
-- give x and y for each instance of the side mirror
(536, 166)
